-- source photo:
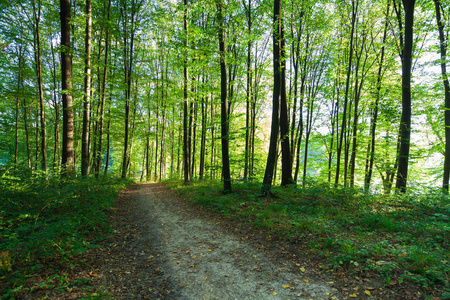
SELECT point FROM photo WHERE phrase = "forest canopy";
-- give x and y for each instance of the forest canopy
(352, 93)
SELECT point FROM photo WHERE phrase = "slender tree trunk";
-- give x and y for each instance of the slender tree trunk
(38, 61)
(374, 115)
(405, 121)
(66, 74)
(249, 89)
(18, 96)
(128, 69)
(194, 135)
(108, 143)
(203, 138)
(347, 87)
(213, 149)
(286, 159)
(223, 103)
(87, 93)
(185, 96)
(102, 101)
(443, 47)
(272, 155)
(56, 106)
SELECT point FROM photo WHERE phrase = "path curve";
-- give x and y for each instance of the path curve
(194, 257)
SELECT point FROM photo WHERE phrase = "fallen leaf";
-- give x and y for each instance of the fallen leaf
(286, 286)
(305, 280)
(303, 269)
(367, 293)
(274, 293)
(353, 295)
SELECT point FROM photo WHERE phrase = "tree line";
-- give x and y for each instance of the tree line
(279, 91)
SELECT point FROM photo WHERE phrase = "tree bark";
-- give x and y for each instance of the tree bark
(38, 61)
(20, 57)
(347, 87)
(66, 75)
(286, 159)
(128, 70)
(272, 155)
(443, 47)
(374, 115)
(223, 103)
(85, 153)
(405, 120)
(186, 168)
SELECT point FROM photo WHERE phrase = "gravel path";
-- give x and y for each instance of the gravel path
(177, 252)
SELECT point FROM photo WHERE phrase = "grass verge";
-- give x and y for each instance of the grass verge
(404, 239)
(45, 227)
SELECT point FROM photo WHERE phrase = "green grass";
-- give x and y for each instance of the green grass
(45, 223)
(401, 238)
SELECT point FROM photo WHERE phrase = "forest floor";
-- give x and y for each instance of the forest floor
(164, 247)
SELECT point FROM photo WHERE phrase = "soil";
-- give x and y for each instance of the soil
(163, 247)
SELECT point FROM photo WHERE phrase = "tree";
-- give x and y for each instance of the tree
(223, 102)
(286, 159)
(186, 169)
(355, 5)
(277, 86)
(66, 75)
(129, 31)
(443, 48)
(38, 61)
(85, 153)
(405, 121)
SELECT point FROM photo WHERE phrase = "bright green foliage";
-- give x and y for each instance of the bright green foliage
(46, 220)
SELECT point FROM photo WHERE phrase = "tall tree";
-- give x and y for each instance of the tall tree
(286, 161)
(405, 120)
(443, 48)
(129, 31)
(375, 107)
(38, 62)
(66, 75)
(274, 129)
(223, 102)
(87, 92)
(186, 169)
(355, 5)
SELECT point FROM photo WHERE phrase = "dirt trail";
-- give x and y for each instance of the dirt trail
(175, 252)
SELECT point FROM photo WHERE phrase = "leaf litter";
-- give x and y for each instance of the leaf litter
(170, 250)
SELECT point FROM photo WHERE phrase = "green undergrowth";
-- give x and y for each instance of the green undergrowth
(402, 238)
(45, 225)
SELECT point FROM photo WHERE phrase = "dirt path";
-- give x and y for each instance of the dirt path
(166, 249)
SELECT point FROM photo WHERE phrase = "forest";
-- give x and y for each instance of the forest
(347, 92)
(342, 98)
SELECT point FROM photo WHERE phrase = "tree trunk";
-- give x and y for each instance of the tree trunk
(66, 75)
(108, 143)
(374, 115)
(286, 159)
(223, 102)
(443, 47)
(203, 137)
(249, 89)
(18, 96)
(405, 121)
(347, 87)
(38, 61)
(185, 96)
(128, 69)
(56, 106)
(213, 137)
(87, 93)
(272, 155)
